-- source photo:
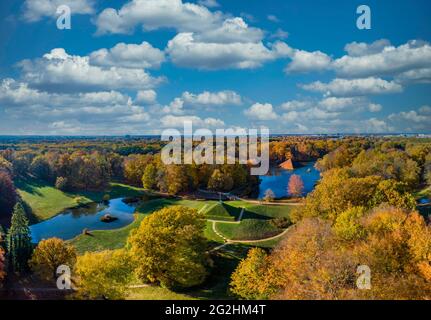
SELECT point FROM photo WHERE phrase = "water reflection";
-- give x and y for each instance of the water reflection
(72, 222)
(278, 179)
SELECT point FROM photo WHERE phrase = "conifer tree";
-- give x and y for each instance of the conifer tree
(2, 238)
(19, 244)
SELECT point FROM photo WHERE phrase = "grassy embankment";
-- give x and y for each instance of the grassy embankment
(47, 201)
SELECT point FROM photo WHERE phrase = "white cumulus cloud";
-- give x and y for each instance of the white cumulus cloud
(220, 98)
(35, 10)
(142, 55)
(185, 51)
(259, 111)
(60, 71)
(354, 87)
(155, 14)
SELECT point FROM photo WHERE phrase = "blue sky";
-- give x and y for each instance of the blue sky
(137, 67)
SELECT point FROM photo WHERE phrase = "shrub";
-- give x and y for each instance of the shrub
(61, 183)
(281, 223)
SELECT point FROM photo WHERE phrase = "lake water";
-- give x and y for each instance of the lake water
(277, 179)
(69, 224)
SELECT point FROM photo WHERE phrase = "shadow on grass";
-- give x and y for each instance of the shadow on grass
(216, 285)
(32, 218)
(114, 191)
(31, 185)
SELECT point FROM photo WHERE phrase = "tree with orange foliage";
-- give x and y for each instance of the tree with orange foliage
(313, 262)
(296, 186)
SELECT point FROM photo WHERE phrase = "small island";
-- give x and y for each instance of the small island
(108, 218)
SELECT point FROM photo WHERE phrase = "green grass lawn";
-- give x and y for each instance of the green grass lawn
(155, 293)
(210, 234)
(44, 200)
(270, 211)
(221, 211)
(248, 229)
(47, 201)
(266, 244)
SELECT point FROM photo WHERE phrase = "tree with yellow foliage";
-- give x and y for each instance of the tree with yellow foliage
(338, 191)
(103, 275)
(348, 226)
(314, 262)
(246, 282)
(169, 248)
(49, 255)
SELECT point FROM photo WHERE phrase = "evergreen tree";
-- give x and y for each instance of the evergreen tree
(2, 238)
(18, 240)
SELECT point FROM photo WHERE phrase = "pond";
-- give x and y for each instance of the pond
(278, 178)
(424, 201)
(69, 224)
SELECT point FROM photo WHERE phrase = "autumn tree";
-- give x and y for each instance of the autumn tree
(348, 225)
(18, 239)
(343, 156)
(134, 168)
(393, 164)
(149, 177)
(246, 280)
(307, 265)
(103, 275)
(318, 260)
(169, 247)
(427, 170)
(8, 195)
(40, 168)
(220, 181)
(21, 163)
(176, 178)
(49, 255)
(6, 166)
(295, 186)
(336, 192)
(393, 193)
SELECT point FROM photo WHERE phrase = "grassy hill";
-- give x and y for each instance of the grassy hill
(248, 229)
(221, 211)
(44, 200)
(270, 211)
